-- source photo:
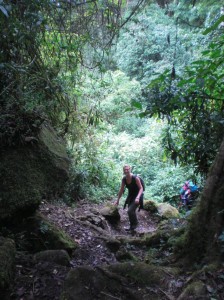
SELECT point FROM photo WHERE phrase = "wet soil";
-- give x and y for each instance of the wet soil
(44, 280)
(84, 224)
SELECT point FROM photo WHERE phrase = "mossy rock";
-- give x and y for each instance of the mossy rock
(142, 273)
(21, 182)
(113, 244)
(120, 281)
(87, 283)
(179, 244)
(55, 147)
(167, 211)
(45, 235)
(149, 239)
(59, 257)
(7, 261)
(123, 255)
(154, 239)
(110, 213)
(195, 290)
(150, 206)
(167, 235)
(30, 171)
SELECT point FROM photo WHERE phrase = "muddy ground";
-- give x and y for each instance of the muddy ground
(44, 280)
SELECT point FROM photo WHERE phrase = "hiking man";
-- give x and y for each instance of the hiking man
(188, 193)
(135, 192)
(185, 193)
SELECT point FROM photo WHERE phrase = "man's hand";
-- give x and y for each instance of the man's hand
(137, 200)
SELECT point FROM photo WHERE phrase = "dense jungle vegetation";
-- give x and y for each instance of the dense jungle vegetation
(138, 82)
(88, 86)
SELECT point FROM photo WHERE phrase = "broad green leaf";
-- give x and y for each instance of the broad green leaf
(143, 114)
(214, 26)
(136, 104)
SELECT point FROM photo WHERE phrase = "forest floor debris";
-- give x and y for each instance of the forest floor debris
(44, 280)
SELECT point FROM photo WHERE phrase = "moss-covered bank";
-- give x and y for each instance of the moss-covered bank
(7, 260)
(38, 168)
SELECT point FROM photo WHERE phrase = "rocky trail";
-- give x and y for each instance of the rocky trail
(101, 247)
(89, 229)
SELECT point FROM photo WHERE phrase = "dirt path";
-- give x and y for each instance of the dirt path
(45, 280)
(84, 224)
(87, 236)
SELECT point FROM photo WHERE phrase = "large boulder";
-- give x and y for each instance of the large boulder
(124, 281)
(7, 262)
(34, 168)
(59, 257)
(110, 213)
(42, 234)
(54, 146)
(150, 206)
(167, 211)
(194, 290)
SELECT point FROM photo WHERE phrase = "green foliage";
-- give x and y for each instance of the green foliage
(191, 98)
(44, 43)
(131, 125)
(45, 51)
(158, 39)
(26, 81)
(17, 125)
(168, 181)
(193, 106)
(93, 175)
(120, 137)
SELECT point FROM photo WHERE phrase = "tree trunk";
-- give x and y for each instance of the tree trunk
(203, 240)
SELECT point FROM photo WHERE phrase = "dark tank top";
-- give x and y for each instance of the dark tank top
(132, 187)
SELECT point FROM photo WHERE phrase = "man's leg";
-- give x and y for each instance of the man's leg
(132, 215)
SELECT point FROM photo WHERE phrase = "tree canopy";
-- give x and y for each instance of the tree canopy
(45, 45)
(136, 82)
(97, 70)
